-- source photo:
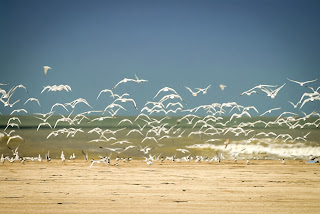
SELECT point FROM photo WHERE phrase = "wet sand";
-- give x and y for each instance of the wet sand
(228, 187)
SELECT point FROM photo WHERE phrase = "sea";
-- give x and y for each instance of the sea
(164, 136)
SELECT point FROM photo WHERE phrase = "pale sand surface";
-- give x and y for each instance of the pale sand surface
(261, 187)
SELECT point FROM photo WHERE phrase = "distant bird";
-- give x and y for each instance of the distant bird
(32, 99)
(43, 124)
(222, 87)
(18, 111)
(165, 89)
(226, 143)
(104, 91)
(272, 93)
(46, 68)
(14, 137)
(192, 92)
(270, 110)
(63, 159)
(183, 150)
(302, 83)
(203, 90)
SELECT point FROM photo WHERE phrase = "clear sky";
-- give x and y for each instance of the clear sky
(91, 45)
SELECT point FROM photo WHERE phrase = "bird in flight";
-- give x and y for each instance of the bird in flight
(302, 83)
(46, 68)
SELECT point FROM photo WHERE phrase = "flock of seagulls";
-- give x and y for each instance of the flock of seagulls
(219, 124)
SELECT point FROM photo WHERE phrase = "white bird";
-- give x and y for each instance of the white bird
(266, 134)
(12, 125)
(302, 83)
(222, 87)
(239, 115)
(309, 99)
(99, 161)
(46, 68)
(63, 159)
(32, 99)
(104, 91)
(145, 150)
(203, 90)
(127, 100)
(183, 150)
(139, 80)
(18, 111)
(165, 89)
(249, 92)
(149, 138)
(125, 80)
(77, 101)
(272, 93)
(270, 110)
(58, 104)
(134, 130)
(14, 137)
(43, 124)
(192, 92)
(121, 142)
(55, 88)
(99, 119)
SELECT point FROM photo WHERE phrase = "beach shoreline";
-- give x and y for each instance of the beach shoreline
(263, 186)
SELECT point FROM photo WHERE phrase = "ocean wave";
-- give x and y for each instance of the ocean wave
(266, 148)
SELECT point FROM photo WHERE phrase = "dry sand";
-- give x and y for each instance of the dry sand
(261, 187)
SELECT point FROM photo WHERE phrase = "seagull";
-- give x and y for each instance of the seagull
(272, 93)
(192, 92)
(129, 80)
(222, 87)
(183, 150)
(270, 110)
(139, 80)
(14, 137)
(43, 124)
(149, 138)
(58, 104)
(63, 159)
(32, 99)
(249, 92)
(18, 111)
(302, 83)
(226, 143)
(99, 161)
(127, 100)
(145, 150)
(55, 88)
(165, 89)
(134, 130)
(203, 90)
(106, 90)
(75, 102)
(46, 68)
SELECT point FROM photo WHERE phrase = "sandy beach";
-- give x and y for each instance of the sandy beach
(228, 187)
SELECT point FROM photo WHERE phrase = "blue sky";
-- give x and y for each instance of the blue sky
(91, 45)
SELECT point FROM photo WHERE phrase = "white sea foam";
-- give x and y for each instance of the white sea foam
(266, 147)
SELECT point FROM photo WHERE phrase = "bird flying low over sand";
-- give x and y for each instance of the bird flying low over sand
(46, 68)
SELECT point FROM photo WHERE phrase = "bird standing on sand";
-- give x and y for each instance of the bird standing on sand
(46, 68)
(226, 143)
